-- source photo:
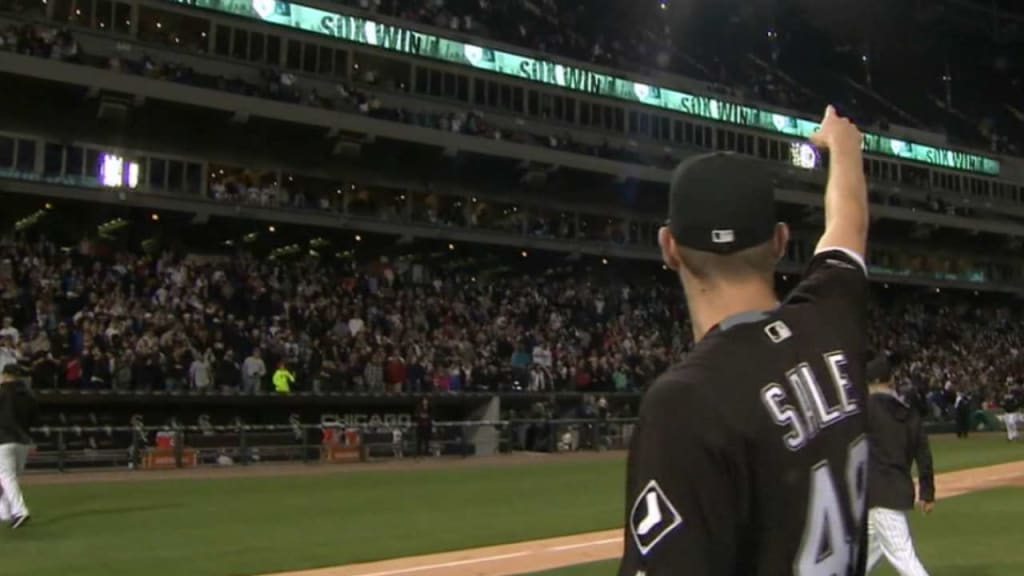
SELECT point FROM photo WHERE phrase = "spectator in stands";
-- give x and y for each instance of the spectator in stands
(283, 379)
(199, 371)
(253, 371)
(373, 375)
(424, 427)
(227, 372)
(396, 373)
(9, 331)
(8, 352)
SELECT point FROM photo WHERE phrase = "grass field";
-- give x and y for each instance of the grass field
(973, 535)
(222, 527)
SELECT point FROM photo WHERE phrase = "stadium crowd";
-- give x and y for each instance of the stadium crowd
(132, 321)
(90, 319)
(138, 322)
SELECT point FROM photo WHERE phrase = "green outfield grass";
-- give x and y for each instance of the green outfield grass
(222, 527)
(972, 535)
(952, 453)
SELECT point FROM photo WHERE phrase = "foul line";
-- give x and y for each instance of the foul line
(446, 564)
(585, 544)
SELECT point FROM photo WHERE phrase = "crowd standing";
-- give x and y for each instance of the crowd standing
(89, 319)
(952, 351)
(130, 321)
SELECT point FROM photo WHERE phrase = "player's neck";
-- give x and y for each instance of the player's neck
(709, 306)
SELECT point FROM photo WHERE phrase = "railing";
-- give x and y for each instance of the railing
(77, 447)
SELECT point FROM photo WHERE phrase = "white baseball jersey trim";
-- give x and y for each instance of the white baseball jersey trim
(853, 255)
(889, 535)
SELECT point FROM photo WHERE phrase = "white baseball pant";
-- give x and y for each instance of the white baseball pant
(889, 534)
(13, 458)
(1011, 419)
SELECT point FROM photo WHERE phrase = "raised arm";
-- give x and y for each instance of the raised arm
(846, 195)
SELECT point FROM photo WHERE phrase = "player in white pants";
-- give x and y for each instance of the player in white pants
(17, 410)
(889, 535)
(1011, 419)
(13, 457)
(896, 439)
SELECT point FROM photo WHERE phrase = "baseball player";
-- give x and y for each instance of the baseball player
(17, 412)
(1012, 417)
(750, 457)
(897, 440)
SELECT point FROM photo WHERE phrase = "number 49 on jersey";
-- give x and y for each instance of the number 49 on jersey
(827, 547)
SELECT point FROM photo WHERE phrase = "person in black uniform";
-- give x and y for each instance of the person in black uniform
(17, 414)
(962, 411)
(424, 427)
(750, 456)
(897, 440)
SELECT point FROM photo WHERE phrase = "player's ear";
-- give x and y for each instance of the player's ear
(669, 250)
(781, 240)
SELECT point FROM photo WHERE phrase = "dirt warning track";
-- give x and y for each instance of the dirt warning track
(538, 555)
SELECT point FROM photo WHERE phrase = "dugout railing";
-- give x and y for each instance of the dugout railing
(179, 446)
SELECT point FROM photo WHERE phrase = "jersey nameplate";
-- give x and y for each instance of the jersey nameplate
(811, 412)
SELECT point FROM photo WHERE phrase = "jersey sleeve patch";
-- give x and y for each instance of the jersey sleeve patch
(652, 518)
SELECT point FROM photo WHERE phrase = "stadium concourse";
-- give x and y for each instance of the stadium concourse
(765, 55)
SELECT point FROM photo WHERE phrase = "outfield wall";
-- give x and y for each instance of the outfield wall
(103, 429)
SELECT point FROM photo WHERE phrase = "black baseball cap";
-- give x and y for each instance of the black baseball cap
(879, 370)
(721, 202)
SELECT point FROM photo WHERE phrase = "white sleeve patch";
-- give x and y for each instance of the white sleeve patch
(652, 518)
(852, 255)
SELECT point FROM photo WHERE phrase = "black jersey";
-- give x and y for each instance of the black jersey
(750, 458)
(897, 439)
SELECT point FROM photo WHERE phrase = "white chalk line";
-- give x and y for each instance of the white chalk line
(495, 558)
(584, 544)
(452, 564)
